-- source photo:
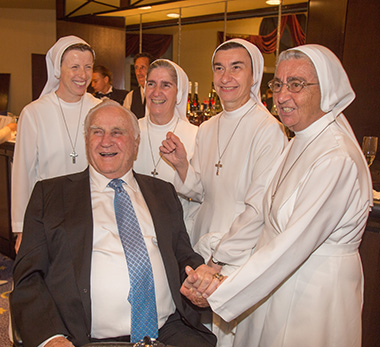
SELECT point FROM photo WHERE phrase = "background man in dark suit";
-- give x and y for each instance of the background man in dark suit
(135, 99)
(102, 85)
(71, 275)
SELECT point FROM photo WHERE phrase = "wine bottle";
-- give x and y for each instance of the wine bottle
(218, 104)
(189, 100)
(196, 105)
(205, 105)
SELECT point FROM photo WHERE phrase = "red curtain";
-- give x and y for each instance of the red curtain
(154, 44)
(267, 43)
(298, 35)
(157, 45)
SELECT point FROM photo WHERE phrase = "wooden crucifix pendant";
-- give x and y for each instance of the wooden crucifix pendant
(154, 172)
(218, 166)
(73, 155)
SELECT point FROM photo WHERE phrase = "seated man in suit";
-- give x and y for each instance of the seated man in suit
(76, 278)
(102, 85)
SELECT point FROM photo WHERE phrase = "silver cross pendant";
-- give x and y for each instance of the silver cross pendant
(73, 155)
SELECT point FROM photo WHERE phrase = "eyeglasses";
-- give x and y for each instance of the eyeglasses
(294, 86)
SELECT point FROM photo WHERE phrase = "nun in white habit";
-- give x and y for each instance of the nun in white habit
(166, 92)
(50, 138)
(303, 286)
(234, 154)
(235, 150)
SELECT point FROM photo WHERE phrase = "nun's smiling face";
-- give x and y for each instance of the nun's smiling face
(161, 94)
(298, 110)
(233, 77)
(76, 74)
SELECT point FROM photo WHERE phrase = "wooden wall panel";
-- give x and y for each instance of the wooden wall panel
(350, 28)
(361, 59)
(326, 24)
(108, 43)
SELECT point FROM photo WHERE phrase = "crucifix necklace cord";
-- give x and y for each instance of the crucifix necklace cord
(219, 165)
(73, 154)
(155, 164)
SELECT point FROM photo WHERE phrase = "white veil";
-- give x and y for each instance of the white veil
(53, 61)
(336, 91)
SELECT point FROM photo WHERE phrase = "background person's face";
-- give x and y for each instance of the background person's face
(233, 77)
(100, 83)
(76, 75)
(141, 68)
(298, 110)
(110, 143)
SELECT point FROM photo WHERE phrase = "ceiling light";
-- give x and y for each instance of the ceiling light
(145, 8)
(173, 15)
(273, 2)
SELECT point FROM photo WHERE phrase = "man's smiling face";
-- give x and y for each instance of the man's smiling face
(110, 142)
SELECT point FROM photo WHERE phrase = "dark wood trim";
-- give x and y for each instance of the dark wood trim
(109, 21)
(263, 12)
(60, 6)
(137, 4)
(126, 4)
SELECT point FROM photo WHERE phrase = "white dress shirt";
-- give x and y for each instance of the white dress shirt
(104, 97)
(128, 99)
(111, 311)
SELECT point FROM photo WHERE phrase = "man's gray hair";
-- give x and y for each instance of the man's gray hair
(107, 103)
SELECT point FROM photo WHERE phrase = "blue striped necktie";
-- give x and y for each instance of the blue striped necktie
(142, 295)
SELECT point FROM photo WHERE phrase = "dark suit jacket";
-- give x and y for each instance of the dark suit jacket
(138, 105)
(116, 94)
(52, 269)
